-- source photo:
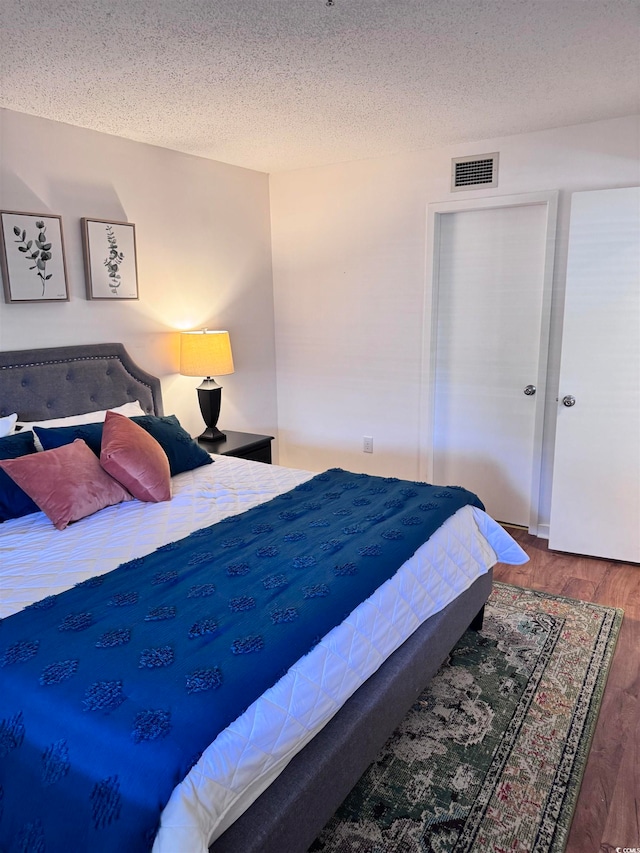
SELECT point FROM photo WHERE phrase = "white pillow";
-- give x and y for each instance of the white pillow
(7, 425)
(130, 410)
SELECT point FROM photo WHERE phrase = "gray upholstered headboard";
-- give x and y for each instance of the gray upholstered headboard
(56, 382)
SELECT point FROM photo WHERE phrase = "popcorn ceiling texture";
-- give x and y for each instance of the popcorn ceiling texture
(283, 84)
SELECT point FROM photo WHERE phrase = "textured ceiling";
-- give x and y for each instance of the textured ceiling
(283, 84)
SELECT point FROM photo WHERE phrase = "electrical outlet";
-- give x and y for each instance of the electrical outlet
(367, 444)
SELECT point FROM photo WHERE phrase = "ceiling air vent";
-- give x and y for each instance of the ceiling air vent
(474, 172)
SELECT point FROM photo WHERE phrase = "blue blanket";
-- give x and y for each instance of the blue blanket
(110, 692)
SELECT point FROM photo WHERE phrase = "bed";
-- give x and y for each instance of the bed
(299, 787)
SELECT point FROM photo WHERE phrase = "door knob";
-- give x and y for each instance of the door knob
(568, 401)
(530, 390)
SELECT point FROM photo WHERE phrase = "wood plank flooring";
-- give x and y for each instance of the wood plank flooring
(608, 811)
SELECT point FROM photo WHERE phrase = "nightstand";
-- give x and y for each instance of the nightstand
(244, 445)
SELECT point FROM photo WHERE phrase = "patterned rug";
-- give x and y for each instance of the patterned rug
(491, 756)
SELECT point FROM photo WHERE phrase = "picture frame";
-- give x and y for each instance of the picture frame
(32, 257)
(110, 260)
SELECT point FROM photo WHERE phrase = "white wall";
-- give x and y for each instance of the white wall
(349, 254)
(204, 258)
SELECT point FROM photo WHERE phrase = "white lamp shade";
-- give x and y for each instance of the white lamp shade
(205, 353)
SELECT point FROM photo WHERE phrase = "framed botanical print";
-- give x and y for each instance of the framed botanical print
(32, 257)
(110, 263)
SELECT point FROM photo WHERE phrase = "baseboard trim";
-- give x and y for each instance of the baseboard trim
(543, 531)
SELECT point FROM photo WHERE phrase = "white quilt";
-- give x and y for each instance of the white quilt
(37, 560)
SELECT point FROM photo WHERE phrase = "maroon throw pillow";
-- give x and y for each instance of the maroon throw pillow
(135, 459)
(66, 483)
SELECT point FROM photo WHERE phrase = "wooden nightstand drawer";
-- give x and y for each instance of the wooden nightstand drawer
(243, 445)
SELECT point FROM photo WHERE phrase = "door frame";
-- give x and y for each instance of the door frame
(430, 324)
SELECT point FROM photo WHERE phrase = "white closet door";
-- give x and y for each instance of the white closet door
(595, 505)
(489, 315)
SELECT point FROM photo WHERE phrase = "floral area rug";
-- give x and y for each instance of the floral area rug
(491, 756)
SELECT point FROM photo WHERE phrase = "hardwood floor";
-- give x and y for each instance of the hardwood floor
(608, 811)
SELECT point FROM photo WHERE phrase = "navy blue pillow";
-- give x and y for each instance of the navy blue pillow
(14, 503)
(183, 453)
(52, 437)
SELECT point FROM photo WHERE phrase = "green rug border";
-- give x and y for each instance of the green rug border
(561, 836)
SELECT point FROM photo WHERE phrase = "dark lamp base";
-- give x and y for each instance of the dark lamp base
(209, 397)
(211, 434)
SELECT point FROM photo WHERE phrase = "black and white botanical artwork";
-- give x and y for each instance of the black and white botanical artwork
(37, 251)
(113, 260)
(110, 259)
(32, 257)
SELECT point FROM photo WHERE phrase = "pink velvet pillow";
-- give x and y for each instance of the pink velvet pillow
(135, 459)
(66, 483)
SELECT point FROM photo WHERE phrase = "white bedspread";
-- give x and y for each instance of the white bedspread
(37, 560)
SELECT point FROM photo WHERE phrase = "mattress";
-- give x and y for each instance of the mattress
(38, 560)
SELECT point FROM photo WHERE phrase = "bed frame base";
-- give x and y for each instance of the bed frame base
(478, 620)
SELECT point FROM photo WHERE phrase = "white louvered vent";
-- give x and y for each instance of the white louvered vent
(469, 173)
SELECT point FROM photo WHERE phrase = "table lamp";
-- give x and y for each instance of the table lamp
(204, 353)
